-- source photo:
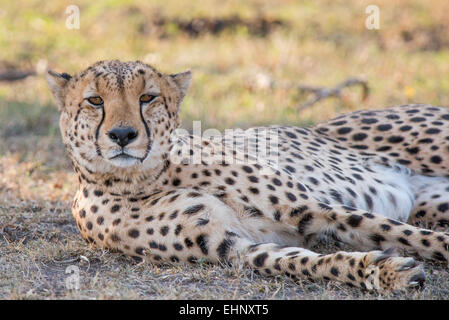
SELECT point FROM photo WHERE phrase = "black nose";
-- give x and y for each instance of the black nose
(122, 135)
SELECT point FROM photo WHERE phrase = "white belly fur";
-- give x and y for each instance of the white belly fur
(396, 182)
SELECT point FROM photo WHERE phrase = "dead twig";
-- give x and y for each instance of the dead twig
(321, 93)
(15, 75)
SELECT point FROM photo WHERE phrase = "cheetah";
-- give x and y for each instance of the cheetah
(375, 180)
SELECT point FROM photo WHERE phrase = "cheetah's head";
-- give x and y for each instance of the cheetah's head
(118, 116)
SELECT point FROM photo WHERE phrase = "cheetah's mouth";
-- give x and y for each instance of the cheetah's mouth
(124, 158)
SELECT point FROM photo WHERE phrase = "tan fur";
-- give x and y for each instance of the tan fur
(153, 205)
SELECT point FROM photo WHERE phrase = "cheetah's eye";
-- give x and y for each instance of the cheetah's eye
(96, 101)
(147, 98)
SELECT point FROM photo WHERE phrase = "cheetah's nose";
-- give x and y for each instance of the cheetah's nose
(122, 135)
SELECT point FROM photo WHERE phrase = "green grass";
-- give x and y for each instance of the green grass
(319, 43)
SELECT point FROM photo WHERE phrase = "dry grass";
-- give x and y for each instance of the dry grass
(39, 240)
(316, 43)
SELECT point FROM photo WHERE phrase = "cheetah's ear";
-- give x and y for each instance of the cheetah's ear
(183, 80)
(57, 83)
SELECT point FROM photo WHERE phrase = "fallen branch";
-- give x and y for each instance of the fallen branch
(15, 75)
(321, 93)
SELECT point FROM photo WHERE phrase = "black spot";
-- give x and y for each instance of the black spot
(359, 136)
(395, 139)
(273, 199)
(100, 220)
(192, 259)
(302, 225)
(202, 222)
(436, 159)
(344, 130)
(297, 211)
(188, 242)
(407, 232)
(291, 135)
(405, 128)
(223, 249)
(324, 206)
(277, 216)
(426, 140)
(438, 256)
(253, 179)
(338, 123)
(384, 127)
(403, 241)
(301, 187)
(201, 241)
(259, 261)
(291, 196)
(394, 222)
(369, 120)
(414, 150)
(133, 233)
(335, 271)
(377, 238)
(354, 220)
(433, 131)
(164, 230)
(194, 209)
(253, 190)
(384, 148)
(254, 212)
(306, 272)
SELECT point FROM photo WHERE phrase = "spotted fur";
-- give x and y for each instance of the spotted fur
(369, 179)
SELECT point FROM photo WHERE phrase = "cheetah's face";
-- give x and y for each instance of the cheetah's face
(118, 114)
